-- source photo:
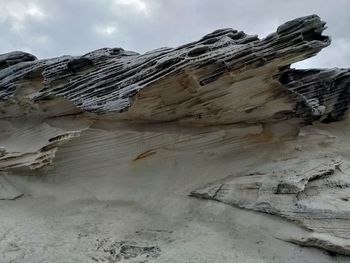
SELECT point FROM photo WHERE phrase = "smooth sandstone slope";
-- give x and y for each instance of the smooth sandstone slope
(102, 154)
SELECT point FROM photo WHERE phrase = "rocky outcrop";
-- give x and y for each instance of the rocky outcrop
(309, 189)
(325, 90)
(226, 77)
(275, 134)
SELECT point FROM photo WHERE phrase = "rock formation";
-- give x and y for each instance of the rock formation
(224, 118)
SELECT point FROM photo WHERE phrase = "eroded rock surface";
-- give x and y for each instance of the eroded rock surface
(115, 141)
(8, 191)
(309, 189)
(226, 77)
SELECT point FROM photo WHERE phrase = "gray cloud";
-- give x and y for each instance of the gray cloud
(49, 28)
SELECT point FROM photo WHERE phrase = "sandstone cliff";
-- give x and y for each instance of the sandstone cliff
(119, 156)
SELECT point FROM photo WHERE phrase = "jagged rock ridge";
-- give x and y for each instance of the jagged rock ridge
(114, 80)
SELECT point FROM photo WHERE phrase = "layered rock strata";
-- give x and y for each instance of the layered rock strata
(226, 95)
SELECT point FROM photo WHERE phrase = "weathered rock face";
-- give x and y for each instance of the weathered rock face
(226, 77)
(309, 189)
(222, 118)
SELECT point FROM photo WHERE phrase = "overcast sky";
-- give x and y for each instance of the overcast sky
(49, 28)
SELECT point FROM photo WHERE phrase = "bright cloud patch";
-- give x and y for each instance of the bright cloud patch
(20, 11)
(138, 5)
(105, 30)
(16, 13)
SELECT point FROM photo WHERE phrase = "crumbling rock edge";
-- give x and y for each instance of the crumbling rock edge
(226, 92)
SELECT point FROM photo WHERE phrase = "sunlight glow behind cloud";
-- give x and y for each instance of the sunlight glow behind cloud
(138, 5)
(105, 30)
